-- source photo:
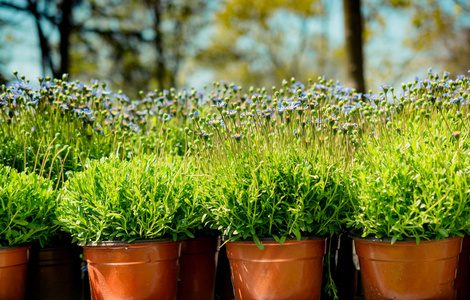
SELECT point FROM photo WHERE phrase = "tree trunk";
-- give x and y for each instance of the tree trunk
(46, 59)
(65, 29)
(354, 53)
(160, 72)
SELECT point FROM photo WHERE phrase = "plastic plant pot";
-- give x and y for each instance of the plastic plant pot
(145, 269)
(463, 274)
(292, 270)
(406, 270)
(13, 271)
(198, 266)
(54, 273)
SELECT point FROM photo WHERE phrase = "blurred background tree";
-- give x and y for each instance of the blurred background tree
(147, 44)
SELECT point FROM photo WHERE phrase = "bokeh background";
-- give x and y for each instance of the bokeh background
(144, 45)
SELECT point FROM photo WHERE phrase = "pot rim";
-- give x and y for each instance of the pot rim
(389, 239)
(15, 246)
(271, 239)
(121, 243)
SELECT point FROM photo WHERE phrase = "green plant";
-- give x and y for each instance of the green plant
(144, 198)
(54, 128)
(413, 186)
(27, 208)
(279, 194)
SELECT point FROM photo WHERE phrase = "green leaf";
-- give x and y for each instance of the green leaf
(21, 222)
(296, 233)
(443, 232)
(188, 233)
(258, 243)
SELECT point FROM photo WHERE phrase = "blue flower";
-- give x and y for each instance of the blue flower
(135, 128)
(203, 134)
(219, 105)
(385, 88)
(99, 128)
(231, 113)
(121, 98)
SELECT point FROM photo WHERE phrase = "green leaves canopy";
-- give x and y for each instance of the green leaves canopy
(27, 208)
(279, 194)
(410, 190)
(144, 198)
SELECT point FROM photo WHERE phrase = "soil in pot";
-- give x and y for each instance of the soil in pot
(13, 272)
(198, 265)
(147, 270)
(406, 270)
(289, 271)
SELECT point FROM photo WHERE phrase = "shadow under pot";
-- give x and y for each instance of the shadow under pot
(13, 271)
(145, 269)
(406, 270)
(292, 270)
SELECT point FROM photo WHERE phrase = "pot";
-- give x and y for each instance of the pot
(463, 273)
(198, 265)
(406, 270)
(292, 270)
(145, 269)
(54, 273)
(13, 271)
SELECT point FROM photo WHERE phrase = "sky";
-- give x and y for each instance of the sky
(23, 53)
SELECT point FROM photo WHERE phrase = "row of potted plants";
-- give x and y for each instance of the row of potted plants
(270, 173)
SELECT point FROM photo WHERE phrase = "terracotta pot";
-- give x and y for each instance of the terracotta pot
(406, 270)
(462, 281)
(140, 270)
(198, 265)
(54, 273)
(13, 272)
(289, 271)
(223, 281)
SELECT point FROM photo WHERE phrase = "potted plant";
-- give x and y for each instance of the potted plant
(409, 212)
(27, 214)
(199, 251)
(198, 266)
(274, 210)
(128, 217)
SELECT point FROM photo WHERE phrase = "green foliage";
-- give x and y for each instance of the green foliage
(27, 208)
(411, 187)
(280, 194)
(144, 198)
(53, 129)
